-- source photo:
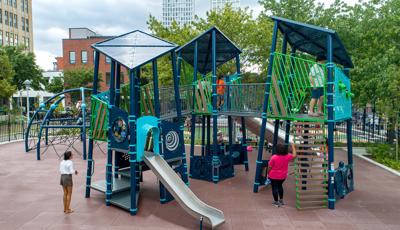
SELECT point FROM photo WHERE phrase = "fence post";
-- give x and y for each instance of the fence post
(9, 128)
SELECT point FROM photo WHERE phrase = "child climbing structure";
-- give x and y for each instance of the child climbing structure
(139, 133)
(205, 54)
(287, 88)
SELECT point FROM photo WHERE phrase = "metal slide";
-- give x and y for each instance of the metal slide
(181, 192)
(254, 125)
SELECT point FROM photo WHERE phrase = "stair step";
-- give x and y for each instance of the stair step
(314, 161)
(308, 151)
(310, 135)
(310, 202)
(310, 168)
(300, 185)
(312, 196)
(309, 140)
(309, 156)
(312, 173)
(303, 145)
(311, 179)
(319, 191)
(312, 207)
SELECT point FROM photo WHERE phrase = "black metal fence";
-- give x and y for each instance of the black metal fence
(12, 127)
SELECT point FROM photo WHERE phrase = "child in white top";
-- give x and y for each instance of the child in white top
(66, 171)
(317, 79)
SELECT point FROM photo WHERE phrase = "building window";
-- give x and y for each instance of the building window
(6, 17)
(72, 58)
(11, 39)
(26, 5)
(84, 56)
(15, 3)
(108, 76)
(28, 44)
(11, 20)
(7, 38)
(23, 23)
(16, 39)
(1, 16)
(1, 37)
(22, 5)
(15, 21)
(27, 25)
(108, 60)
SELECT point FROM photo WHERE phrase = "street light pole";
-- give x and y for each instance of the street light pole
(27, 84)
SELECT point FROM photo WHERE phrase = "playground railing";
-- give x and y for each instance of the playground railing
(243, 98)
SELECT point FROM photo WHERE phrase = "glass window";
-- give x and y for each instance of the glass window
(11, 39)
(108, 76)
(72, 58)
(11, 20)
(1, 16)
(23, 23)
(15, 21)
(16, 39)
(28, 43)
(26, 6)
(84, 56)
(7, 38)
(27, 25)
(108, 60)
(22, 5)
(1, 37)
(6, 17)
(15, 3)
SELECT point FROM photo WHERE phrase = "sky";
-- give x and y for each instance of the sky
(52, 18)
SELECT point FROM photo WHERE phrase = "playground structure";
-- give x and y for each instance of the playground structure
(286, 89)
(46, 130)
(205, 54)
(143, 128)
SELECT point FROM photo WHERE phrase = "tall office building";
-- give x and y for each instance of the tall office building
(181, 11)
(16, 23)
(219, 4)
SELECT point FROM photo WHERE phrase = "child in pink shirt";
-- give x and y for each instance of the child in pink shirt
(278, 170)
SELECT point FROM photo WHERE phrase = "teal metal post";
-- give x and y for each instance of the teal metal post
(132, 140)
(203, 134)
(264, 111)
(215, 157)
(138, 114)
(90, 152)
(275, 139)
(244, 144)
(117, 104)
(331, 124)
(349, 136)
(176, 77)
(83, 130)
(193, 118)
(110, 123)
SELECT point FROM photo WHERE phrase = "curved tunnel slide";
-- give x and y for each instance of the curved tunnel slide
(181, 192)
(253, 124)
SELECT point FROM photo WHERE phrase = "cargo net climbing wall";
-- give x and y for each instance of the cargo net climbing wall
(310, 166)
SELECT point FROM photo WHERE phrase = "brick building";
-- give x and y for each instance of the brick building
(77, 52)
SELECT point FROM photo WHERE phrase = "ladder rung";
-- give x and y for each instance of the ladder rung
(312, 207)
(311, 179)
(312, 173)
(308, 150)
(323, 191)
(311, 185)
(305, 202)
(313, 140)
(302, 161)
(309, 134)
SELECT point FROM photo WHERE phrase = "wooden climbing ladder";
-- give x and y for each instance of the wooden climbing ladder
(310, 167)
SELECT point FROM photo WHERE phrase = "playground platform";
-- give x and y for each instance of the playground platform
(31, 199)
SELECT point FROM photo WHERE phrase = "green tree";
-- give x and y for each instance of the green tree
(56, 85)
(24, 66)
(6, 75)
(79, 77)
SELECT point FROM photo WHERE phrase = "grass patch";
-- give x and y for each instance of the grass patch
(384, 154)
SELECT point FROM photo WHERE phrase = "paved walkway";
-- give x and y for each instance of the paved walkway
(30, 198)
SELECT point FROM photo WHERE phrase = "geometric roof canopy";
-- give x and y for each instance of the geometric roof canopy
(225, 50)
(134, 49)
(313, 40)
